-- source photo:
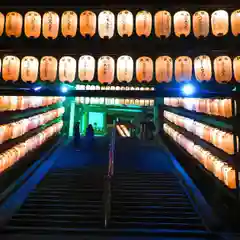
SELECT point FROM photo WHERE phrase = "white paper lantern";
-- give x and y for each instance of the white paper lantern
(14, 22)
(106, 69)
(125, 23)
(223, 69)
(235, 22)
(163, 24)
(219, 22)
(125, 69)
(106, 24)
(183, 69)
(67, 69)
(236, 68)
(144, 69)
(48, 68)
(29, 69)
(32, 24)
(88, 22)
(143, 23)
(86, 68)
(69, 24)
(11, 68)
(201, 24)
(50, 24)
(203, 68)
(164, 69)
(182, 23)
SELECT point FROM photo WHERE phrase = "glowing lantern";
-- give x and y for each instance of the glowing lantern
(106, 24)
(50, 25)
(106, 69)
(2, 21)
(201, 24)
(29, 69)
(223, 69)
(69, 24)
(48, 68)
(203, 68)
(88, 22)
(182, 23)
(11, 68)
(236, 68)
(14, 22)
(235, 22)
(183, 69)
(164, 69)
(219, 22)
(125, 69)
(144, 69)
(86, 68)
(67, 69)
(125, 23)
(143, 23)
(229, 177)
(163, 24)
(32, 24)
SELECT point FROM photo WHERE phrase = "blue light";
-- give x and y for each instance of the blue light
(37, 88)
(64, 89)
(188, 89)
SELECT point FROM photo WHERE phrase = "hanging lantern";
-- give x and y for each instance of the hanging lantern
(50, 25)
(125, 23)
(143, 23)
(229, 177)
(14, 22)
(203, 68)
(219, 22)
(106, 24)
(223, 69)
(125, 69)
(29, 69)
(183, 69)
(67, 69)
(32, 24)
(201, 24)
(144, 69)
(69, 24)
(182, 23)
(106, 69)
(236, 68)
(235, 22)
(48, 68)
(163, 24)
(2, 22)
(86, 68)
(88, 22)
(164, 69)
(10, 68)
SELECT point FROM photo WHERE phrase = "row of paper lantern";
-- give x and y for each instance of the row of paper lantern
(218, 138)
(49, 23)
(122, 130)
(13, 103)
(11, 156)
(216, 166)
(183, 68)
(19, 128)
(114, 101)
(217, 107)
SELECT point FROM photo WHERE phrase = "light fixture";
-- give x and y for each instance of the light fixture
(64, 89)
(188, 89)
(37, 88)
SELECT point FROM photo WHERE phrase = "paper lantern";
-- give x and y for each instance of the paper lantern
(219, 22)
(10, 68)
(50, 25)
(2, 22)
(163, 24)
(86, 68)
(182, 23)
(229, 177)
(67, 69)
(201, 24)
(236, 68)
(32, 24)
(125, 23)
(69, 24)
(203, 68)
(164, 69)
(14, 22)
(88, 22)
(106, 69)
(125, 69)
(143, 23)
(48, 68)
(29, 69)
(235, 22)
(183, 69)
(144, 69)
(106, 24)
(223, 69)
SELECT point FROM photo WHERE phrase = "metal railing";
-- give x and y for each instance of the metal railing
(108, 178)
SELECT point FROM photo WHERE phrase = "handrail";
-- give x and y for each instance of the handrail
(108, 178)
